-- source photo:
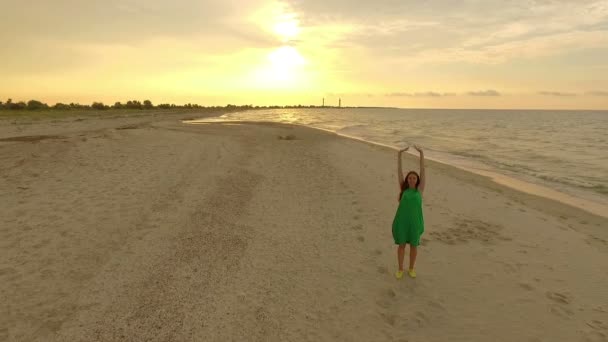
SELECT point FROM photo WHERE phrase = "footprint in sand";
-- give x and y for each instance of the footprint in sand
(389, 318)
(561, 298)
(377, 252)
(526, 286)
(41, 244)
(465, 230)
(384, 303)
(436, 305)
(357, 227)
(354, 202)
(510, 268)
(360, 238)
(561, 311)
(486, 275)
(386, 298)
(46, 274)
(7, 271)
(596, 331)
(599, 308)
(421, 319)
(382, 269)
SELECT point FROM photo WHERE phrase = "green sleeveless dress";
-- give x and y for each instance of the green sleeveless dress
(408, 224)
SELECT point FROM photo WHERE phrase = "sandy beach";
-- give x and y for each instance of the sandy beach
(149, 229)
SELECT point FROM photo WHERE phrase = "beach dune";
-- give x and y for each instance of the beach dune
(151, 229)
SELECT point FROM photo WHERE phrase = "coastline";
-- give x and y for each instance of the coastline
(592, 207)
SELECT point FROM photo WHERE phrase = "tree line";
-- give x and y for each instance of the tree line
(132, 104)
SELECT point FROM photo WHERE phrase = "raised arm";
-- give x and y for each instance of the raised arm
(422, 173)
(399, 168)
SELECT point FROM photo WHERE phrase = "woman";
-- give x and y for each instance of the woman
(408, 224)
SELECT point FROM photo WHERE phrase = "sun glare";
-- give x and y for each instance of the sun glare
(284, 65)
(286, 57)
(287, 29)
(283, 69)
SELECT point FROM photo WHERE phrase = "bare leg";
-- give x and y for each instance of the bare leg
(401, 256)
(413, 253)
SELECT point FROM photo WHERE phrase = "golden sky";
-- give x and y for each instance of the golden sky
(439, 54)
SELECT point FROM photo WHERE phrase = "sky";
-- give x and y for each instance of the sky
(546, 54)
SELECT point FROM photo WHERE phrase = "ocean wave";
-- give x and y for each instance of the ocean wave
(471, 155)
(576, 183)
(353, 128)
(599, 188)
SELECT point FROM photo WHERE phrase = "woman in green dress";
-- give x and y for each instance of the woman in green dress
(408, 224)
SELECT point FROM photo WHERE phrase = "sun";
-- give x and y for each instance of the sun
(284, 68)
(287, 29)
(286, 58)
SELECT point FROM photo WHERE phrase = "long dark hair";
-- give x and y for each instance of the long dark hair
(405, 185)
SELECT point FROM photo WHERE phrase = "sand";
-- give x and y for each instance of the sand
(149, 229)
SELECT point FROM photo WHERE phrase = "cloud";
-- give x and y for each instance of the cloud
(331, 94)
(433, 94)
(489, 92)
(556, 93)
(438, 32)
(420, 94)
(399, 94)
(126, 21)
(61, 36)
(597, 93)
(529, 48)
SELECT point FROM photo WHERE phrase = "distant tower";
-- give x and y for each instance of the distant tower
(339, 103)
(323, 102)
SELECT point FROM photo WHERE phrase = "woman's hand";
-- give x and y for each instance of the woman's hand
(422, 173)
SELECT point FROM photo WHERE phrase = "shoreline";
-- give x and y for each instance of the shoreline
(194, 117)
(589, 206)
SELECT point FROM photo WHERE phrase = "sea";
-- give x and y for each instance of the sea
(561, 153)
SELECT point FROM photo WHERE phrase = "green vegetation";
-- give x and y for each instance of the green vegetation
(35, 109)
(132, 104)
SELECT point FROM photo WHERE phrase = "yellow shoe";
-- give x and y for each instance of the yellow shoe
(399, 274)
(412, 273)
